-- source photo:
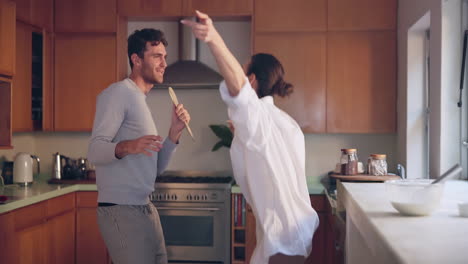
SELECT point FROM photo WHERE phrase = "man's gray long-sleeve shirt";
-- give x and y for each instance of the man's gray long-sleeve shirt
(122, 114)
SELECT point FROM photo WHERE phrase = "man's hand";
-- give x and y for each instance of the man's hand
(142, 145)
(180, 117)
(204, 30)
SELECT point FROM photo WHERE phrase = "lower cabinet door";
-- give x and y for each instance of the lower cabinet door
(31, 245)
(61, 237)
(90, 247)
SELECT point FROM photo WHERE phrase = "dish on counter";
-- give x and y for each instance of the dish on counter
(415, 197)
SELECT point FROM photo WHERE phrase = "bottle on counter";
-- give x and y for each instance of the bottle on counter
(82, 168)
(377, 164)
(349, 162)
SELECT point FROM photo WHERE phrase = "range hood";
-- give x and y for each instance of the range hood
(189, 72)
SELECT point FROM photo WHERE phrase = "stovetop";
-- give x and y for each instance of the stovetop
(195, 177)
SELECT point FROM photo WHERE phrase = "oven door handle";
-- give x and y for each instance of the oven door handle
(189, 208)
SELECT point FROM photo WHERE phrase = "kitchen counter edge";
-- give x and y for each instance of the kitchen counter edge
(314, 188)
(39, 192)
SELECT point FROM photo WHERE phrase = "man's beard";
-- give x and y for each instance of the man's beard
(149, 78)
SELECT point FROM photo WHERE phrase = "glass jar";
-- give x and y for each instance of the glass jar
(349, 162)
(377, 164)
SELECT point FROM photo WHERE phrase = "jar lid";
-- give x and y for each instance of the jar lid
(379, 156)
(348, 150)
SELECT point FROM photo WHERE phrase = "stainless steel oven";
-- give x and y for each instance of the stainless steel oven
(195, 217)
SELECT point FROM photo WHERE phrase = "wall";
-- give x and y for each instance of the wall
(206, 107)
(450, 81)
(443, 74)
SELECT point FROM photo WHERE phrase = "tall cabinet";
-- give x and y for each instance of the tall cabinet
(86, 55)
(33, 91)
(7, 68)
(7, 37)
(340, 57)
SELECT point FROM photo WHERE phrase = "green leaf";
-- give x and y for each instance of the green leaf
(217, 146)
(224, 133)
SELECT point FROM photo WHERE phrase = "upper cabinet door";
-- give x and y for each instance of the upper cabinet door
(5, 113)
(293, 15)
(86, 16)
(42, 14)
(80, 77)
(361, 79)
(362, 14)
(219, 8)
(7, 37)
(149, 8)
(36, 12)
(304, 63)
(22, 115)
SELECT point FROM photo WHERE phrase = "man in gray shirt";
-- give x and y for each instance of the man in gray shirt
(128, 153)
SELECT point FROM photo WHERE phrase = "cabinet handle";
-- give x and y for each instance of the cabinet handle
(337, 246)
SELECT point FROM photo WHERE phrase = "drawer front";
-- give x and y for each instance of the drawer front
(86, 199)
(30, 216)
(60, 205)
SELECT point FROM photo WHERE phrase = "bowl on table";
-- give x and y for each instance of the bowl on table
(414, 197)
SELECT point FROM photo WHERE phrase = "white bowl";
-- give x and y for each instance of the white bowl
(463, 209)
(414, 197)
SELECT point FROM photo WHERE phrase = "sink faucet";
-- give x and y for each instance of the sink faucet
(401, 171)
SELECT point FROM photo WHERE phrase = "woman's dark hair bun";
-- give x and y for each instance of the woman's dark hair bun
(282, 88)
(269, 74)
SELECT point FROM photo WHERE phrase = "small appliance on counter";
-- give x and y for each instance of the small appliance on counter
(7, 172)
(68, 169)
(23, 168)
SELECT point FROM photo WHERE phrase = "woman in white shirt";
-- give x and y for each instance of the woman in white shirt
(267, 152)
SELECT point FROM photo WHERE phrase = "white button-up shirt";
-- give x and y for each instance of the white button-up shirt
(268, 160)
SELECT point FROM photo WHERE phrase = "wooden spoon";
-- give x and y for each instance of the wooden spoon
(176, 102)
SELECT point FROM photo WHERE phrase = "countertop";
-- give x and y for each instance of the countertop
(314, 186)
(438, 238)
(40, 190)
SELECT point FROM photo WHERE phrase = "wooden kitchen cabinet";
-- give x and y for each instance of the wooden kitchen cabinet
(341, 58)
(5, 112)
(60, 228)
(7, 247)
(26, 81)
(321, 241)
(38, 13)
(149, 8)
(303, 57)
(30, 237)
(7, 37)
(86, 16)
(84, 66)
(290, 16)
(44, 232)
(362, 15)
(90, 247)
(361, 80)
(219, 8)
(22, 115)
(61, 232)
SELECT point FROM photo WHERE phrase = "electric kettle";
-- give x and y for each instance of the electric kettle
(23, 168)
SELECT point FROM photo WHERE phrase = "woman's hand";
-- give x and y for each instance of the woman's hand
(228, 66)
(231, 126)
(203, 30)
